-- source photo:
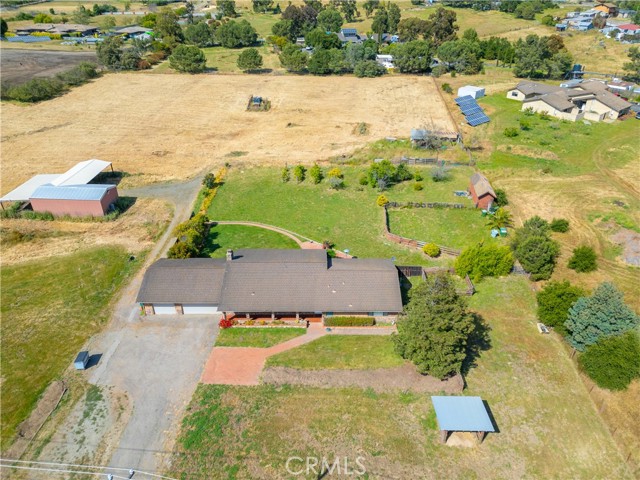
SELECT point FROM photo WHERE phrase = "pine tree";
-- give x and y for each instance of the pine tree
(600, 315)
(433, 333)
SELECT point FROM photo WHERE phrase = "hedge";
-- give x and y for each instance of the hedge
(349, 321)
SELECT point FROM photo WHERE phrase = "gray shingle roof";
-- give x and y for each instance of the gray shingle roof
(192, 280)
(272, 280)
(299, 282)
(612, 101)
(534, 88)
(558, 100)
(481, 185)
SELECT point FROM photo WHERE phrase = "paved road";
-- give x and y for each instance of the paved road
(158, 362)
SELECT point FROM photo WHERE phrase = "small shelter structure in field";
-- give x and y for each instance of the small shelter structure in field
(258, 104)
(462, 414)
(481, 191)
(473, 92)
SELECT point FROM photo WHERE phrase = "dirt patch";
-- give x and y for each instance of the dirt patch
(19, 66)
(462, 439)
(528, 152)
(91, 430)
(28, 429)
(630, 242)
(130, 120)
(403, 378)
(136, 230)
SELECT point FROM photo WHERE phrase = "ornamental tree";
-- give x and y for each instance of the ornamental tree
(434, 331)
(554, 302)
(602, 314)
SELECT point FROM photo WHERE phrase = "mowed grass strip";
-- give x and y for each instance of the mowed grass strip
(256, 336)
(223, 237)
(340, 352)
(49, 309)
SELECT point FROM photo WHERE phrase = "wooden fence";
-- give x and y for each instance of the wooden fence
(431, 161)
(419, 271)
(425, 205)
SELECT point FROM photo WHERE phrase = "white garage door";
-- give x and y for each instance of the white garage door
(195, 308)
(164, 308)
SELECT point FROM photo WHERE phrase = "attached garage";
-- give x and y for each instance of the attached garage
(164, 309)
(199, 309)
(176, 286)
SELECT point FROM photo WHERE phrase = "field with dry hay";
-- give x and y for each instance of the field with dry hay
(169, 127)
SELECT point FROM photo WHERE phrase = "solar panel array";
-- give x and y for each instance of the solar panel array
(472, 112)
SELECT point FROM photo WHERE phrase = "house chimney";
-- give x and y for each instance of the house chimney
(229, 255)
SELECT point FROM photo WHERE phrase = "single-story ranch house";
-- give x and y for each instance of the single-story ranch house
(588, 100)
(264, 283)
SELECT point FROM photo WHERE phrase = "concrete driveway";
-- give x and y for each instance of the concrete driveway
(157, 361)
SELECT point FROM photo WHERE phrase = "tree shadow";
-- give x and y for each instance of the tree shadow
(479, 341)
(210, 242)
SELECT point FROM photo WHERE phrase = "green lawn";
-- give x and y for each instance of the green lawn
(350, 218)
(223, 237)
(256, 336)
(225, 59)
(564, 148)
(548, 427)
(340, 352)
(49, 309)
(449, 227)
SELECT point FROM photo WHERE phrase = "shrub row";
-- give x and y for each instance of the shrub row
(349, 321)
(191, 235)
(210, 188)
(40, 89)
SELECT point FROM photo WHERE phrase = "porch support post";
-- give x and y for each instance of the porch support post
(443, 435)
(273, 316)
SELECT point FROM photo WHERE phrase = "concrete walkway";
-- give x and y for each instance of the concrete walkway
(243, 365)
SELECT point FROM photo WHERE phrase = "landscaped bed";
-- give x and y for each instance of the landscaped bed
(340, 352)
(262, 337)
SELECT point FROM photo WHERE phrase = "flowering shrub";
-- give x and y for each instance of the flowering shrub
(226, 323)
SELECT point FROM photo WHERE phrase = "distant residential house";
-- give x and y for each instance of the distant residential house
(481, 191)
(385, 60)
(386, 38)
(59, 29)
(626, 13)
(587, 99)
(526, 90)
(350, 35)
(134, 31)
(628, 29)
(620, 86)
(607, 8)
(561, 27)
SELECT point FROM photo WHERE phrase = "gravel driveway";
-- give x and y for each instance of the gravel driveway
(157, 362)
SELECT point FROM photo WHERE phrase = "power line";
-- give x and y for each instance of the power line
(95, 467)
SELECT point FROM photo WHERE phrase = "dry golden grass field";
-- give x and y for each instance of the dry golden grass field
(174, 126)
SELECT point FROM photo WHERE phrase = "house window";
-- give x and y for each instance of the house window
(514, 94)
(328, 314)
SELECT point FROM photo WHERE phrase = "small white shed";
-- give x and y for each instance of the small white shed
(475, 92)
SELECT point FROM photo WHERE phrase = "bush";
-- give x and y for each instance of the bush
(501, 198)
(35, 90)
(188, 59)
(583, 260)
(285, 176)
(534, 249)
(511, 132)
(613, 362)
(560, 225)
(250, 59)
(349, 321)
(525, 124)
(228, 323)
(316, 174)
(382, 200)
(363, 180)
(417, 177)
(440, 174)
(299, 173)
(447, 88)
(431, 249)
(418, 186)
(336, 183)
(368, 69)
(554, 302)
(337, 173)
(484, 261)
(209, 180)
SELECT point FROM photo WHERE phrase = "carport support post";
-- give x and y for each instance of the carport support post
(480, 436)
(443, 435)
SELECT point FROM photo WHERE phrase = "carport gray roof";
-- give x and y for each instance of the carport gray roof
(307, 281)
(192, 280)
